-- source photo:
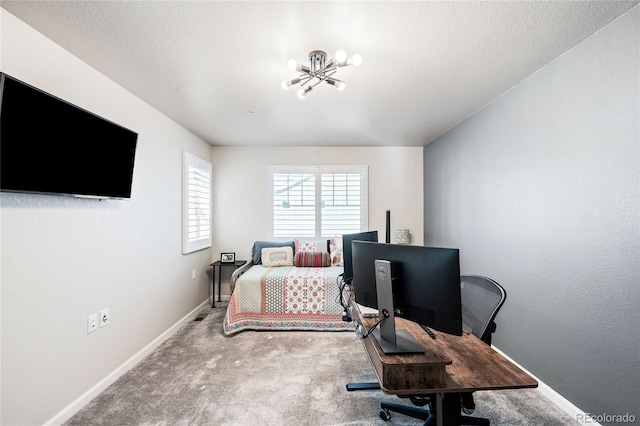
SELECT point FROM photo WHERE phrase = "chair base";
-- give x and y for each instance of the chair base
(416, 413)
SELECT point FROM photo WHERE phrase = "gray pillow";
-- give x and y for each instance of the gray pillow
(256, 251)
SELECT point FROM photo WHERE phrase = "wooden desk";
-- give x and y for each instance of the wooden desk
(450, 365)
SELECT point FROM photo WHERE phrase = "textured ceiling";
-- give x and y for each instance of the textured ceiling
(427, 65)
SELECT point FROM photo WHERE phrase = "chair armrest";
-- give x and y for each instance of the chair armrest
(239, 271)
(486, 337)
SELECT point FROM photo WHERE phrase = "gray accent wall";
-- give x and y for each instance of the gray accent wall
(540, 191)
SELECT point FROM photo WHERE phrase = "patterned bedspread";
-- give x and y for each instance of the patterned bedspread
(286, 298)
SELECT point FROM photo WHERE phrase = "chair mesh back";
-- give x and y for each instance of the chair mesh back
(481, 299)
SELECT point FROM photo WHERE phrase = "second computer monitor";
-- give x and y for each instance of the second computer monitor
(347, 239)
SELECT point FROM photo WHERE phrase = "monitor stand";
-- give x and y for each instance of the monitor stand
(391, 341)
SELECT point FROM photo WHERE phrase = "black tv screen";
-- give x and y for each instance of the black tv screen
(49, 146)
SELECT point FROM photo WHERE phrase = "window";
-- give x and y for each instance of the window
(196, 204)
(317, 202)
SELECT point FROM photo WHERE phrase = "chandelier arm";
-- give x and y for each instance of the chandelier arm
(320, 80)
(305, 79)
(324, 77)
(333, 68)
(317, 75)
(315, 84)
(325, 72)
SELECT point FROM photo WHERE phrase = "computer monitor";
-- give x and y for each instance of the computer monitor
(425, 282)
(347, 239)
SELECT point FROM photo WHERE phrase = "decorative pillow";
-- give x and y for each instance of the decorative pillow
(312, 259)
(277, 256)
(304, 245)
(256, 251)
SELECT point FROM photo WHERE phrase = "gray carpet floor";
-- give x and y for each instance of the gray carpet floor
(201, 377)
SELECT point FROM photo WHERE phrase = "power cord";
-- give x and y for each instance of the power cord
(360, 328)
(361, 331)
(345, 307)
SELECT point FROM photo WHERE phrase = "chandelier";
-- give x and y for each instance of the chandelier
(320, 70)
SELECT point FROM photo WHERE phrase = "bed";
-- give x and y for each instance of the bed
(293, 285)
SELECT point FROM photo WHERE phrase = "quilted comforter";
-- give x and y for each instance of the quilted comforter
(286, 298)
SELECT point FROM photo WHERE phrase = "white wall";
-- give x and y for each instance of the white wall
(64, 259)
(240, 190)
(540, 190)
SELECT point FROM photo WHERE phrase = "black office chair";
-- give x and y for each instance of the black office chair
(482, 298)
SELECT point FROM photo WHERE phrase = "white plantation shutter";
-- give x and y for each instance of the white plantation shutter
(196, 204)
(317, 202)
(341, 203)
(294, 204)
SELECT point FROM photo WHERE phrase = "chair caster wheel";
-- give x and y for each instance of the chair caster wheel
(419, 401)
(385, 415)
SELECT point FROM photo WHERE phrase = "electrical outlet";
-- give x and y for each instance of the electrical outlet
(193, 274)
(92, 323)
(104, 317)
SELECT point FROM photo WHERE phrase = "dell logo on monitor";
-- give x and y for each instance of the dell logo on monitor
(382, 271)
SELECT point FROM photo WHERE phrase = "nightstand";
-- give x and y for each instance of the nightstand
(220, 265)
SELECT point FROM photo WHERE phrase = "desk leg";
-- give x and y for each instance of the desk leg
(445, 411)
(439, 419)
(448, 410)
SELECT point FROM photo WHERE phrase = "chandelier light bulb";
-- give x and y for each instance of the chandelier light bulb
(303, 92)
(341, 56)
(355, 60)
(288, 83)
(338, 84)
(292, 64)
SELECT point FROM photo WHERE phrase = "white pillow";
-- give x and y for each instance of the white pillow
(277, 256)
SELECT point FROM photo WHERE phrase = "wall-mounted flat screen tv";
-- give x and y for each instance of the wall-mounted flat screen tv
(49, 146)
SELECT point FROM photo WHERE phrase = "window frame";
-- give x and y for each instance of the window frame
(192, 161)
(318, 171)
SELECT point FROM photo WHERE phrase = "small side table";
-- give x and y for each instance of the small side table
(220, 265)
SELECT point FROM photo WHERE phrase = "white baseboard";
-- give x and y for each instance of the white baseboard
(562, 403)
(84, 399)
